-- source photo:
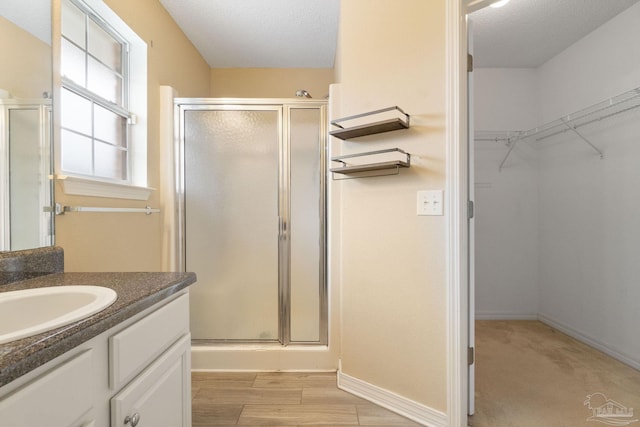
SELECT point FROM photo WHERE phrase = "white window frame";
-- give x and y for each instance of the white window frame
(136, 187)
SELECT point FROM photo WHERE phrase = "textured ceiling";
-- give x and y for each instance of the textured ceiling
(260, 33)
(303, 33)
(527, 33)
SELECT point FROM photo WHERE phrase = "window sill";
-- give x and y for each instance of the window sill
(87, 187)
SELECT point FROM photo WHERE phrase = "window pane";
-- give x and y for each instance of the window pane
(73, 23)
(76, 153)
(104, 47)
(73, 63)
(76, 112)
(104, 82)
(95, 141)
(108, 126)
(110, 162)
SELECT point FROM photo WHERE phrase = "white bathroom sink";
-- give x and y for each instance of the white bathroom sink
(32, 311)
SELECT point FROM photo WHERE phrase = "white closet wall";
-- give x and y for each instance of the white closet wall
(589, 208)
(582, 263)
(506, 202)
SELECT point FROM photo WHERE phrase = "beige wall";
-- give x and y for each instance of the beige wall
(25, 68)
(391, 269)
(124, 241)
(392, 262)
(270, 82)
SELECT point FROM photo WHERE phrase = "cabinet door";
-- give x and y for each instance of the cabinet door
(141, 343)
(161, 394)
(58, 398)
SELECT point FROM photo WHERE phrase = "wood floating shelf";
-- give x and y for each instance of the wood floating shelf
(379, 126)
(369, 129)
(388, 167)
(370, 167)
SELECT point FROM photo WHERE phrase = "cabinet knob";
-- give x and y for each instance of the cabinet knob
(133, 419)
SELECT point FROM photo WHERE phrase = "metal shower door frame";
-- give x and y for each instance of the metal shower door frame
(283, 107)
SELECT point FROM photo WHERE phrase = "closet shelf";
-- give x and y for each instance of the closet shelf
(505, 136)
(386, 167)
(569, 123)
(371, 128)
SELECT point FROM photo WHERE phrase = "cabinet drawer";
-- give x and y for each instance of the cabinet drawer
(58, 398)
(135, 347)
(161, 394)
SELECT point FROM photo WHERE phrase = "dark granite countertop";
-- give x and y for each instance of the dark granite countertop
(29, 263)
(136, 292)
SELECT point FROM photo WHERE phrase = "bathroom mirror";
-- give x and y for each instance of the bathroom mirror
(26, 190)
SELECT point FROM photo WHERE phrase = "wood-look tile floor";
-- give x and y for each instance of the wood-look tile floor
(281, 399)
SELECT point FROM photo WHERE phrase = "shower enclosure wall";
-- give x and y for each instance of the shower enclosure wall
(25, 166)
(251, 177)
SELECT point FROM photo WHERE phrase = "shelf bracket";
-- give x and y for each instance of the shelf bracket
(511, 144)
(574, 130)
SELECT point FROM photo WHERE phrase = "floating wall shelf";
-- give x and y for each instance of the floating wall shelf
(371, 128)
(386, 164)
(387, 167)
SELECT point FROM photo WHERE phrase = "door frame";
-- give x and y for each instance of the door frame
(458, 250)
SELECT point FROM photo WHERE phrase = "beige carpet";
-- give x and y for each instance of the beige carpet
(528, 374)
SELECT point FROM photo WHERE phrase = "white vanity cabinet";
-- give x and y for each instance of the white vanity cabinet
(136, 374)
(152, 358)
(61, 397)
(157, 396)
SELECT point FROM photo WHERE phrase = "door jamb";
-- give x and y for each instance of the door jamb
(458, 195)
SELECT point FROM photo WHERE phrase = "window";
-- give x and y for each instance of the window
(102, 98)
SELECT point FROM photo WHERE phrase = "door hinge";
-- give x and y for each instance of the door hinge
(469, 63)
(470, 209)
(471, 355)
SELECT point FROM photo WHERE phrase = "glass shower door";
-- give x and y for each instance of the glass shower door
(232, 184)
(253, 215)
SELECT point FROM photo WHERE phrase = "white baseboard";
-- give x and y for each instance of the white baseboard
(497, 315)
(400, 405)
(597, 344)
(262, 358)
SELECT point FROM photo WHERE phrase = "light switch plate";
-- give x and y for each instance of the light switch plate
(430, 202)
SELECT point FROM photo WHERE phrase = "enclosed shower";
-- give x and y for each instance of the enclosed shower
(26, 220)
(251, 183)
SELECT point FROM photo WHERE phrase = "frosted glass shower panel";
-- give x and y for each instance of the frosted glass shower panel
(231, 222)
(26, 178)
(306, 223)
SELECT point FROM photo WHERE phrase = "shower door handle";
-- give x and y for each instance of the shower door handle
(282, 228)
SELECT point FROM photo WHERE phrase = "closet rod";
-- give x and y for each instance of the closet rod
(496, 136)
(593, 120)
(602, 110)
(61, 210)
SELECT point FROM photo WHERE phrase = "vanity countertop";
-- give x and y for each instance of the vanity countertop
(136, 292)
